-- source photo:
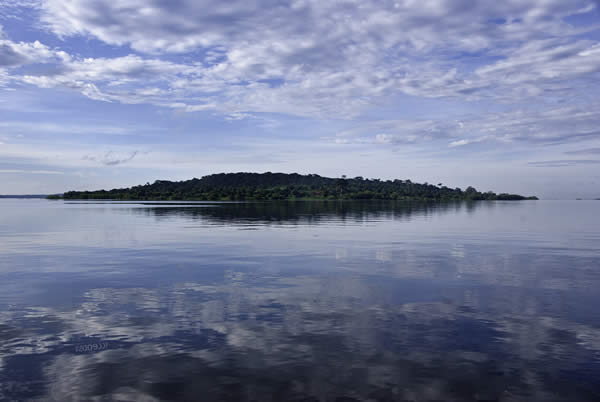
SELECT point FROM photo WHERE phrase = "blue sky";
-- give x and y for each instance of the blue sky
(112, 93)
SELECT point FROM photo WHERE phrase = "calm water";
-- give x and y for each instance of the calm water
(300, 301)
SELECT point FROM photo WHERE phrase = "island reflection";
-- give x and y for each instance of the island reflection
(304, 212)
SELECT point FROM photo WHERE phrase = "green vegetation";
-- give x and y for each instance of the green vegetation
(282, 186)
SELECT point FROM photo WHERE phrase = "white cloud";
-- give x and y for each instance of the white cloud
(4, 78)
(459, 143)
(16, 54)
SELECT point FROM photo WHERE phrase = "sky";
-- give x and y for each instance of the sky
(500, 95)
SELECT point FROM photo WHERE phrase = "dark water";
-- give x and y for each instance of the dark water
(300, 302)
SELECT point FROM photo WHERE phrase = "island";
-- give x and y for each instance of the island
(284, 186)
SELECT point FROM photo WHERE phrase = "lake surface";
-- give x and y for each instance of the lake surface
(302, 301)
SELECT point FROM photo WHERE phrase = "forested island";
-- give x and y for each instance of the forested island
(283, 186)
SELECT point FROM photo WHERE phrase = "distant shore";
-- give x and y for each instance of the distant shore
(21, 196)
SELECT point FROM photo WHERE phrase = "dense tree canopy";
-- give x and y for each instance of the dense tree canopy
(282, 186)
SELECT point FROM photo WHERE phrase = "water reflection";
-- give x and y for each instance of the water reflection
(380, 320)
(302, 212)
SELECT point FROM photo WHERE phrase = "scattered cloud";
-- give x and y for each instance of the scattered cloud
(547, 127)
(309, 58)
(17, 128)
(16, 9)
(587, 151)
(550, 126)
(393, 132)
(111, 158)
(565, 162)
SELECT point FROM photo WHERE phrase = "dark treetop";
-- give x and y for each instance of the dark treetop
(281, 186)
